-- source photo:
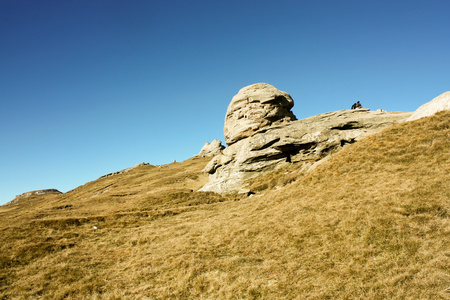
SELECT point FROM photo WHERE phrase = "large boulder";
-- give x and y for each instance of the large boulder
(441, 102)
(211, 149)
(255, 107)
(304, 141)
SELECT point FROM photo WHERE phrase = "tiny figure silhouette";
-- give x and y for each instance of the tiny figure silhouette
(356, 105)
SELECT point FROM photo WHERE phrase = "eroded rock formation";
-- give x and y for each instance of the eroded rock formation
(252, 150)
(211, 149)
(256, 106)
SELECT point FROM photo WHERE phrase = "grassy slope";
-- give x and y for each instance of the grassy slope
(371, 222)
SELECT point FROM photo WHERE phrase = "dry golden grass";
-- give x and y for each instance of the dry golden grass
(372, 222)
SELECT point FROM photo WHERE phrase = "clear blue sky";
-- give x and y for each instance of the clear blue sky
(91, 87)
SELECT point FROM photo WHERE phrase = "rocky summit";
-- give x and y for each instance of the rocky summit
(255, 107)
(282, 140)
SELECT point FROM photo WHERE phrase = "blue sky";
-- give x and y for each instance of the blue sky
(91, 87)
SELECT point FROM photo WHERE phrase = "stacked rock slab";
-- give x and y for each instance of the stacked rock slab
(211, 149)
(255, 107)
(304, 141)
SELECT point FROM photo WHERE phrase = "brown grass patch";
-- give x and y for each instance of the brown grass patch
(370, 223)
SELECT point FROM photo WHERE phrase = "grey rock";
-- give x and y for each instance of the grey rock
(441, 102)
(255, 107)
(20, 197)
(211, 149)
(304, 141)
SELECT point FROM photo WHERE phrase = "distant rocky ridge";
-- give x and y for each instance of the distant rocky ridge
(124, 170)
(55, 191)
(33, 193)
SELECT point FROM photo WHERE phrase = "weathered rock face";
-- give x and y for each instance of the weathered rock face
(441, 102)
(305, 141)
(256, 106)
(213, 148)
(33, 193)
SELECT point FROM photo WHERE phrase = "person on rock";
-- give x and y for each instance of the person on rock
(356, 105)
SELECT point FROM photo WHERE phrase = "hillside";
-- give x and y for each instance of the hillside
(370, 222)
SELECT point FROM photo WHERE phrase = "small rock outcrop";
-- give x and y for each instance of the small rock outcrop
(259, 144)
(211, 149)
(441, 102)
(124, 170)
(33, 193)
(255, 107)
